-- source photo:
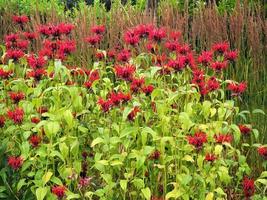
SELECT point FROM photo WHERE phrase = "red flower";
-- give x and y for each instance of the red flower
(65, 28)
(15, 162)
(88, 84)
(12, 37)
(205, 58)
(93, 40)
(236, 88)
(157, 34)
(172, 45)
(16, 115)
(35, 120)
(151, 47)
(98, 29)
(16, 96)
(218, 66)
(263, 152)
(30, 35)
(133, 113)
(36, 62)
(223, 138)
(148, 89)
(37, 74)
(221, 47)
(210, 157)
(14, 54)
(84, 182)
(124, 55)
(35, 140)
(179, 64)
(42, 109)
(99, 55)
(213, 84)
(94, 75)
(184, 49)
(231, 55)
(159, 59)
(2, 121)
(59, 191)
(137, 84)
(105, 104)
(155, 155)
(111, 54)
(130, 37)
(20, 19)
(175, 35)
(248, 187)
(125, 72)
(245, 130)
(197, 140)
(143, 30)
(5, 74)
(66, 47)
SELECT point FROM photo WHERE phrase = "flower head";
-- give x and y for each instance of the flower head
(223, 138)
(133, 113)
(197, 140)
(244, 129)
(237, 88)
(210, 157)
(98, 29)
(20, 19)
(59, 191)
(221, 47)
(15, 162)
(263, 151)
(125, 72)
(248, 187)
(16, 96)
(105, 104)
(35, 140)
(16, 115)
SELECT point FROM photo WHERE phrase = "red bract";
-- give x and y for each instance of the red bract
(16, 96)
(88, 84)
(14, 54)
(130, 37)
(20, 19)
(197, 140)
(100, 55)
(213, 84)
(223, 138)
(45, 30)
(36, 62)
(179, 64)
(210, 157)
(157, 34)
(124, 55)
(143, 30)
(59, 191)
(205, 58)
(172, 45)
(93, 40)
(221, 47)
(105, 104)
(263, 151)
(148, 89)
(35, 120)
(125, 72)
(22, 44)
(16, 115)
(35, 140)
(137, 84)
(37, 74)
(5, 74)
(30, 35)
(42, 109)
(155, 155)
(218, 66)
(245, 130)
(65, 28)
(184, 49)
(248, 187)
(66, 47)
(2, 121)
(231, 55)
(15, 162)
(12, 37)
(98, 29)
(131, 116)
(111, 54)
(237, 89)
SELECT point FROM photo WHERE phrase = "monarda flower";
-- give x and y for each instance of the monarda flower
(137, 84)
(2, 121)
(151, 47)
(263, 151)
(16, 96)
(124, 55)
(210, 157)
(11, 37)
(175, 35)
(221, 47)
(93, 40)
(14, 54)
(84, 182)
(37, 74)
(15, 162)
(35, 140)
(148, 89)
(197, 140)
(111, 54)
(143, 30)
(36, 62)
(178, 65)
(22, 44)
(244, 129)
(105, 104)
(98, 29)
(67, 47)
(5, 74)
(99, 55)
(30, 35)
(231, 55)
(157, 34)
(59, 191)
(20, 19)
(248, 187)
(125, 72)
(16, 115)
(35, 120)
(223, 138)
(131, 116)
(218, 66)
(184, 49)
(205, 58)
(155, 155)
(131, 38)
(172, 45)
(65, 28)
(213, 84)
(88, 84)
(237, 88)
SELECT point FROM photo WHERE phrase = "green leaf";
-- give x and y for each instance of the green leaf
(47, 177)
(258, 111)
(218, 149)
(21, 183)
(188, 158)
(209, 196)
(69, 118)
(41, 192)
(123, 184)
(51, 128)
(96, 141)
(147, 193)
(64, 149)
